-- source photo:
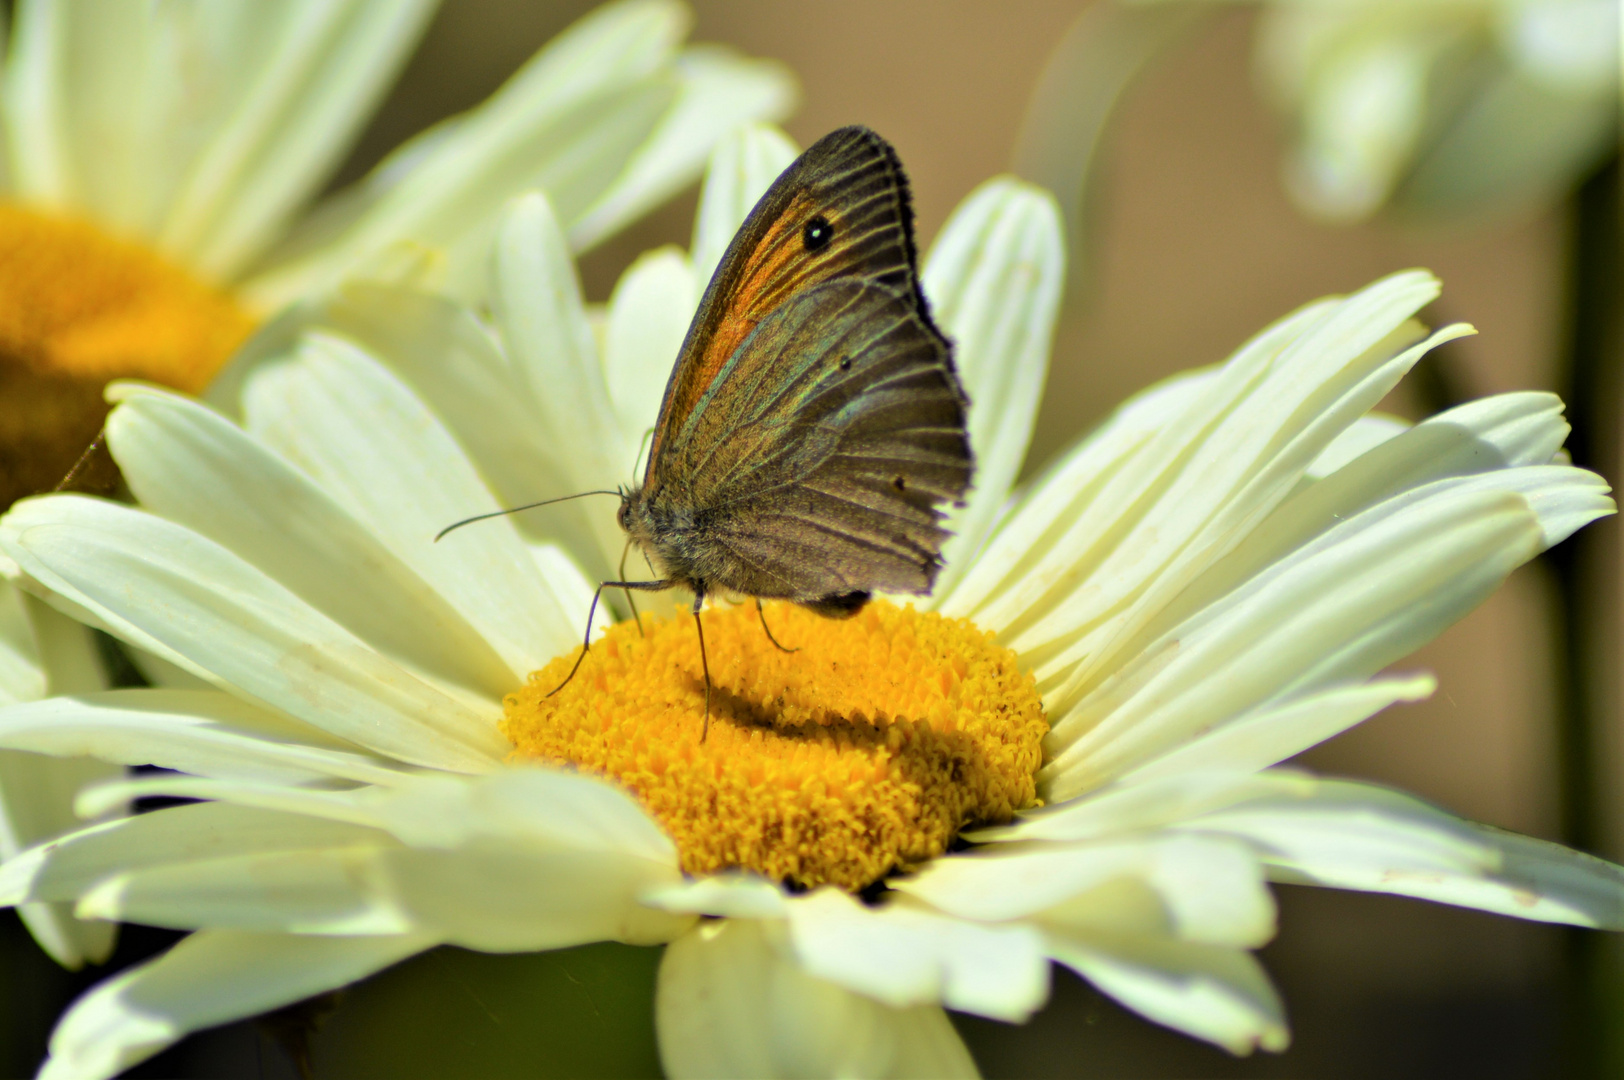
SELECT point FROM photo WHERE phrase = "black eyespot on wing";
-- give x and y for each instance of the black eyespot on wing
(818, 233)
(900, 483)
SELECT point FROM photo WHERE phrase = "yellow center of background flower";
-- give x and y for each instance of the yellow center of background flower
(78, 308)
(866, 749)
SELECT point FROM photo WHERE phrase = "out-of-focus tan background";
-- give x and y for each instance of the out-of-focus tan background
(1196, 248)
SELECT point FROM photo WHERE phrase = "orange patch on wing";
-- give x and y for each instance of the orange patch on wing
(758, 290)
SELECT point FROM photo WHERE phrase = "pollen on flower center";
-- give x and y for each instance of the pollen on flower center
(78, 308)
(867, 748)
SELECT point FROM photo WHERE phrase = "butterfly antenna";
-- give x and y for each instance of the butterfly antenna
(514, 510)
(628, 593)
(763, 616)
(704, 661)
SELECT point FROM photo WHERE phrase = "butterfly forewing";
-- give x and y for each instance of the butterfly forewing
(848, 183)
(813, 426)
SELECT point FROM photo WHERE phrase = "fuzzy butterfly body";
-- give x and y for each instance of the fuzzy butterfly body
(813, 427)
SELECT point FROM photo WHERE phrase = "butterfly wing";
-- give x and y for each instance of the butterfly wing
(849, 433)
(851, 181)
(813, 423)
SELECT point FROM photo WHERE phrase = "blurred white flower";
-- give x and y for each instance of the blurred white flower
(1438, 107)
(1207, 585)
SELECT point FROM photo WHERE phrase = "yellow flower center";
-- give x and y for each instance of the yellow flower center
(866, 749)
(78, 308)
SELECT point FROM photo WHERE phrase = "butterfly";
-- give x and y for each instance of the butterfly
(813, 427)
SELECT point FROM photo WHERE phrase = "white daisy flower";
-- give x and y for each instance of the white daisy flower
(158, 162)
(1207, 585)
(157, 165)
(1441, 105)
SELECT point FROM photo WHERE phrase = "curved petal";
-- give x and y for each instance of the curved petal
(742, 168)
(184, 598)
(905, 954)
(1373, 590)
(47, 653)
(568, 122)
(536, 299)
(1360, 836)
(994, 279)
(67, 869)
(1212, 992)
(729, 1003)
(378, 450)
(649, 313)
(517, 861)
(1209, 892)
(197, 469)
(210, 978)
(204, 732)
(717, 90)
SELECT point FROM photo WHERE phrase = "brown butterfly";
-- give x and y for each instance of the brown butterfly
(813, 426)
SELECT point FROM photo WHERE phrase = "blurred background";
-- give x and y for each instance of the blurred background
(1189, 244)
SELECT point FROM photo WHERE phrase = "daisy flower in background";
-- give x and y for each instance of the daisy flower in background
(157, 173)
(1444, 106)
(1116, 660)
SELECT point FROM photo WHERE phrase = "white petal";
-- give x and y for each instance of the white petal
(1209, 991)
(717, 90)
(734, 895)
(568, 122)
(175, 594)
(1058, 499)
(521, 860)
(1205, 480)
(994, 279)
(906, 954)
(36, 804)
(1359, 836)
(1369, 592)
(194, 467)
(378, 450)
(22, 674)
(176, 835)
(742, 167)
(1271, 735)
(204, 732)
(324, 69)
(536, 300)
(729, 1003)
(208, 979)
(1132, 804)
(1367, 433)
(1209, 892)
(49, 654)
(544, 809)
(455, 364)
(649, 313)
(1487, 440)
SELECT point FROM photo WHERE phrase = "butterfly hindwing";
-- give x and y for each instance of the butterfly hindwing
(851, 432)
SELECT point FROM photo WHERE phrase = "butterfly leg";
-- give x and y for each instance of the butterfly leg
(643, 586)
(627, 593)
(704, 661)
(762, 615)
